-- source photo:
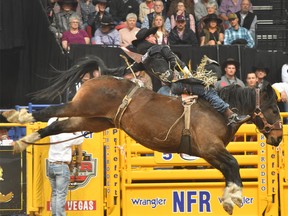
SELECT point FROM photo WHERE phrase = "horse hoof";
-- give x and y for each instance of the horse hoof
(237, 201)
(228, 207)
(11, 116)
(25, 117)
(18, 146)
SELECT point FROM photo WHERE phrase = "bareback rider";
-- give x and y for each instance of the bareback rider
(159, 61)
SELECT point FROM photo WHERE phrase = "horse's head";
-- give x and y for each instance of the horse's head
(261, 105)
(266, 115)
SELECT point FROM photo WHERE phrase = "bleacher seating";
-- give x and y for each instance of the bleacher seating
(272, 25)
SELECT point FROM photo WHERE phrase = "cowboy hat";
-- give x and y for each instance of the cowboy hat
(230, 61)
(142, 34)
(210, 17)
(260, 67)
(74, 3)
(95, 2)
(107, 21)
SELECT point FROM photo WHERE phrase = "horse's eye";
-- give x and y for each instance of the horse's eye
(267, 129)
(275, 111)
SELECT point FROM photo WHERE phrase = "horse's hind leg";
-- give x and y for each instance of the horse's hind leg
(70, 125)
(63, 110)
(222, 160)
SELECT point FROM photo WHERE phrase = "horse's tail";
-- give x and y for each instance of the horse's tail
(66, 79)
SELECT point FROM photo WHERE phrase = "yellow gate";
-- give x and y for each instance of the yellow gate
(86, 191)
(154, 183)
(119, 177)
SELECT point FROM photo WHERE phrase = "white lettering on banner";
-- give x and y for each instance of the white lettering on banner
(188, 199)
(77, 205)
(148, 202)
(262, 164)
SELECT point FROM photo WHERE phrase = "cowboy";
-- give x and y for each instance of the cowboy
(107, 34)
(229, 67)
(261, 72)
(160, 62)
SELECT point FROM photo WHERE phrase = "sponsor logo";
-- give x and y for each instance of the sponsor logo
(77, 205)
(245, 200)
(82, 175)
(153, 203)
(191, 201)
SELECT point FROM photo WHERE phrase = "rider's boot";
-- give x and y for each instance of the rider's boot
(234, 119)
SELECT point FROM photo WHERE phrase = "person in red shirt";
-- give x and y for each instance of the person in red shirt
(74, 35)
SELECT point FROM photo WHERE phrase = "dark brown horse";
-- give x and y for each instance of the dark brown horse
(147, 117)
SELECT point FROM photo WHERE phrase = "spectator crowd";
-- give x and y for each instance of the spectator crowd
(116, 22)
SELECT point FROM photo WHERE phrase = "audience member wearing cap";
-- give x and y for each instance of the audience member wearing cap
(128, 33)
(261, 72)
(212, 34)
(181, 35)
(161, 34)
(158, 9)
(246, 18)
(164, 65)
(94, 19)
(74, 35)
(201, 8)
(237, 34)
(107, 34)
(230, 66)
(181, 10)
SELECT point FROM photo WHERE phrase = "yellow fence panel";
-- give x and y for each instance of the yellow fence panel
(86, 191)
(119, 177)
(155, 183)
(283, 173)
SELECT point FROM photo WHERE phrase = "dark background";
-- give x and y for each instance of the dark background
(28, 50)
(14, 175)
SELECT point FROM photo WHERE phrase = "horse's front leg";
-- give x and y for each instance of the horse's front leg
(222, 160)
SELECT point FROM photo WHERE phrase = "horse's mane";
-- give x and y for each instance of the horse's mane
(243, 99)
(65, 79)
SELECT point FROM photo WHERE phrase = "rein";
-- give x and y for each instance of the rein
(258, 113)
(123, 106)
(54, 143)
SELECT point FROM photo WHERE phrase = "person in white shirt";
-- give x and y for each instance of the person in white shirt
(60, 156)
(281, 90)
